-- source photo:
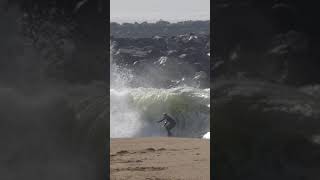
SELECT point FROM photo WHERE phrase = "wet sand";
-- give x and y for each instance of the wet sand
(159, 158)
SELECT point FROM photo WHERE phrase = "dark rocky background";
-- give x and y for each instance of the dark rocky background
(272, 40)
(53, 89)
(164, 54)
(160, 28)
(265, 89)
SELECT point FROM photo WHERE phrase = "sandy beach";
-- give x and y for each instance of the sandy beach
(159, 158)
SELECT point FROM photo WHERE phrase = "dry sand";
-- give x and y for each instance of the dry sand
(159, 158)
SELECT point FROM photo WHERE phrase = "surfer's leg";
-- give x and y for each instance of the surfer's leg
(169, 127)
(168, 131)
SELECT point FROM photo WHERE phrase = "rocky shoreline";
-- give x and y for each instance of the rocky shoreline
(171, 61)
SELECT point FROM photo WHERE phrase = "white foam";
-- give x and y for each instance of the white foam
(206, 136)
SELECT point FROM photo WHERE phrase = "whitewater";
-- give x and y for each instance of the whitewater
(135, 110)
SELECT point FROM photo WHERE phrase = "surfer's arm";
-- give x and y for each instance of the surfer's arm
(161, 120)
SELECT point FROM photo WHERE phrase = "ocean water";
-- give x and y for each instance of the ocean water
(134, 111)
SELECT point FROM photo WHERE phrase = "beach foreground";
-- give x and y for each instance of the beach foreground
(159, 158)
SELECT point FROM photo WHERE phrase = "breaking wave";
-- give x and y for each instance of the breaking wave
(134, 111)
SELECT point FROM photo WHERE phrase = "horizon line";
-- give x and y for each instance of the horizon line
(155, 21)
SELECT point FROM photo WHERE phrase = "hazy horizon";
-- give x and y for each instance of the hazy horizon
(153, 10)
(121, 21)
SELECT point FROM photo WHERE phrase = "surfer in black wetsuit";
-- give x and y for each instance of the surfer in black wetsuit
(169, 124)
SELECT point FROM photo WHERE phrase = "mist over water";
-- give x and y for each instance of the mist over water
(134, 111)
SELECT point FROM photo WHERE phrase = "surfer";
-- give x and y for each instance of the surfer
(169, 124)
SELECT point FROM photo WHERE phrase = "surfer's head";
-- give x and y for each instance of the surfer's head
(165, 114)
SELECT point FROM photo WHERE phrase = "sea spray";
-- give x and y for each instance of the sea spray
(134, 111)
(124, 121)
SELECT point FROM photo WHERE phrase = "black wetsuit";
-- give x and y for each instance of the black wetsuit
(169, 124)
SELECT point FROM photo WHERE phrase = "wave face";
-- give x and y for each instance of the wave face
(134, 111)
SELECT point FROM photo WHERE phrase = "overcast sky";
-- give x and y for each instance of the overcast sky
(153, 10)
